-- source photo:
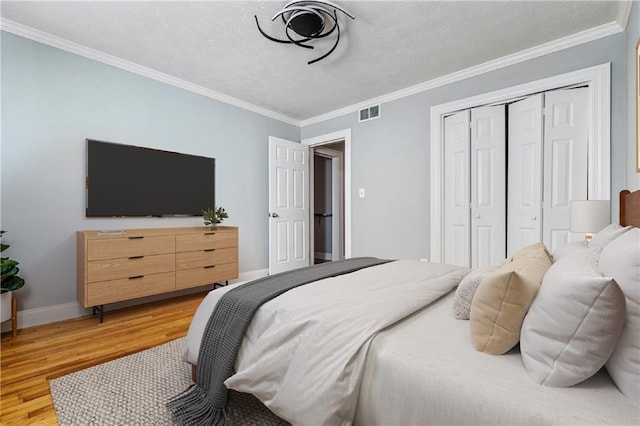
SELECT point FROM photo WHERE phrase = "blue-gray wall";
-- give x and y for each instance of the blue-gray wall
(52, 100)
(391, 155)
(633, 34)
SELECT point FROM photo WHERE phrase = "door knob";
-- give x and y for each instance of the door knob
(533, 218)
(274, 215)
(477, 216)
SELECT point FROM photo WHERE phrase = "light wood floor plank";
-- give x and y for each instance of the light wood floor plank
(46, 352)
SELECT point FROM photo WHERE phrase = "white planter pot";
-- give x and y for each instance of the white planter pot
(5, 306)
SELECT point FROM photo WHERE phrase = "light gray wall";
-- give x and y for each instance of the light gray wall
(52, 100)
(390, 155)
(633, 32)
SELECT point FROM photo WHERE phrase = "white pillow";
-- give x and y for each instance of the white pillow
(621, 260)
(569, 248)
(574, 323)
(467, 288)
(608, 234)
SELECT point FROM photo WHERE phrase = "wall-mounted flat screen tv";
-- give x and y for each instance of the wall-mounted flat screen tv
(125, 180)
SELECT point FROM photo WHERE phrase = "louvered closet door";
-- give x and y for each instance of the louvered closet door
(456, 189)
(524, 218)
(488, 185)
(565, 161)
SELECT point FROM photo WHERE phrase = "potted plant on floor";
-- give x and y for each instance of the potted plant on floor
(9, 281)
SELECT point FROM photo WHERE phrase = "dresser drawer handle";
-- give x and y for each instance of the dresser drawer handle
(209, 266)
(135, 277)
(135, 257)
(209, 249)
(136, 238)
(209, 233)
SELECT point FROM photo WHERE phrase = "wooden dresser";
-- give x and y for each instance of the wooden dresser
(113, 266)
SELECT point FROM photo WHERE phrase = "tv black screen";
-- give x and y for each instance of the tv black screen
(124, 180)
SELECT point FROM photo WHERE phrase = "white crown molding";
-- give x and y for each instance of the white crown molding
(78, 49)
(624, 12)
(595, 33)
(524, 55)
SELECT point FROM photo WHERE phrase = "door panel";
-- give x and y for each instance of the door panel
(565, 162)
(488, 185)
(456, 195)
(524, 218)
(288, 205)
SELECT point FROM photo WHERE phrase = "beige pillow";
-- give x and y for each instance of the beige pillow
(503, 299)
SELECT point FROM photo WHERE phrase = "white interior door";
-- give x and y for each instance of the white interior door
(565, 161)
(456, 189)
(288, 205)
(524, 218)
(488, 185)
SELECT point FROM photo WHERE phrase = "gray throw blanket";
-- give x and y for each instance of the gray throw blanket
(204, 403)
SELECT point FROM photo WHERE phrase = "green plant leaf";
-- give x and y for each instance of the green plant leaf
(12, 284)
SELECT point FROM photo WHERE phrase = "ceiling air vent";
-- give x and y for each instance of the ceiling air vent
(369, 113)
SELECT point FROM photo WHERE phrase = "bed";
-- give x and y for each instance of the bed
(421, 368)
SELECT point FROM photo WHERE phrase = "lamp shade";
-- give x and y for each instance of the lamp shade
(590, 215)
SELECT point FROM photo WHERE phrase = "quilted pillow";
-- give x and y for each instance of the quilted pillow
(620, 259)
(503, 299)
(574, 323)
(467, 288)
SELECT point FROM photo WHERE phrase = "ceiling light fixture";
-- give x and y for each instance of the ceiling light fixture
(309, 19)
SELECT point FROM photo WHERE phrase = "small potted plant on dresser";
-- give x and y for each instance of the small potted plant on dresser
(9, 282)
(213, 217)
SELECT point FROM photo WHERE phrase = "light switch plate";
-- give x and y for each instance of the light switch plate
(361, 192)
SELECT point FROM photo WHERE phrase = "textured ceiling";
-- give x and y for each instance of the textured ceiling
(391, 45)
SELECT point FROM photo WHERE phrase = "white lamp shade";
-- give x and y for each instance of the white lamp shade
(589, 216)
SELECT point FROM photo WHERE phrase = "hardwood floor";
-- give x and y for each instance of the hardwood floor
(46, 352)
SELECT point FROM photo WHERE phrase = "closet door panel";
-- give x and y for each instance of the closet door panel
(456, 189)
(524, 217)
(488, 185)
(565, 161)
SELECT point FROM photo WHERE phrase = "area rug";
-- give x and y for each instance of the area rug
(133, 390)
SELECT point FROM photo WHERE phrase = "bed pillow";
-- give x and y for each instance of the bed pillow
(503, 299)
(608, 234)
(574, 323)
(467, 288)
(569, 248)
(620, 259)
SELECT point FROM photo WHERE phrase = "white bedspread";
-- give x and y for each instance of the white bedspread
(424, 371)
(304, 353)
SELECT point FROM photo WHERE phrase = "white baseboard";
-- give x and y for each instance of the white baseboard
(65, 311)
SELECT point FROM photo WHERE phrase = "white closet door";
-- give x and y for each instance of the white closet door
(488, 185)
(565, 161)
(456, 189)
(524, 218)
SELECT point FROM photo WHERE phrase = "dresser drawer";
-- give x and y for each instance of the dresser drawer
(197, 259)
(102, 292)
(206, 240)
(112, 248)
(111, 269)
(202, 276)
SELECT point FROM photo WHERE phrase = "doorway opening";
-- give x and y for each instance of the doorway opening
(327, 201)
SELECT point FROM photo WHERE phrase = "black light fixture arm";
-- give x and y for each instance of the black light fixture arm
(307, 19)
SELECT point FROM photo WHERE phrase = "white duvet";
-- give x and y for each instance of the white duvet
(304, 352)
